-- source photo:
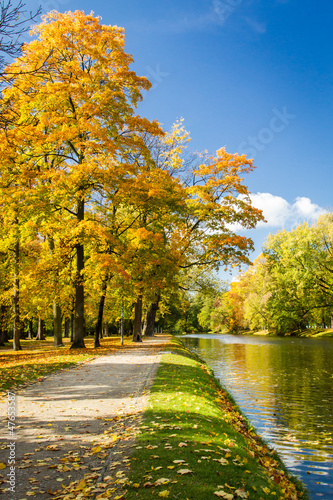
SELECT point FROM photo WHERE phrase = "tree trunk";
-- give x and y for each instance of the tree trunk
(30, 330)
(129, 327)
(4, 323)
(57, 325)
(41, 329)
(100, 314)
(79, 329)
(72, 327)
(106, 329)
(331, 317)
(66, 328)
(56, 308)
(148, 327)
(16, 330)
(137, 335)
(122, 324)
(2, 326)
(23, 334)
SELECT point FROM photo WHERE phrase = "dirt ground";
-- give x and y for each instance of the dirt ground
(75, 429)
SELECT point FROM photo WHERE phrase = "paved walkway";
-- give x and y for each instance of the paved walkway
(79, 423)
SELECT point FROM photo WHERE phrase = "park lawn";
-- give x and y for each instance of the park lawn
(39, 358)
(195, 444)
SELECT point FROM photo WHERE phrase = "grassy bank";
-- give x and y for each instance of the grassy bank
(195, 444)
(315, 333)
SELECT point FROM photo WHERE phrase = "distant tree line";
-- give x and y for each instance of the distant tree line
(289, 287)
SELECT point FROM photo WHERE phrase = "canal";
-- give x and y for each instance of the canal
(284, 385)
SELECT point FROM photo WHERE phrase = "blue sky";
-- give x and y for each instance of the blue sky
(252, 75)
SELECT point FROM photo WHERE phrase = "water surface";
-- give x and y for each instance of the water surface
(284, 387)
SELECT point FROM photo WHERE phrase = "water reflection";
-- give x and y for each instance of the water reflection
(284, 386)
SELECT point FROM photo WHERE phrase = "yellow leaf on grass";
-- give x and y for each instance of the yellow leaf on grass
(97, 449)
(164, 493)
(2, 465)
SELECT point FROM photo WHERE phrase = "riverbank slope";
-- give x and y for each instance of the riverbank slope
(314, 333)
(194, 442)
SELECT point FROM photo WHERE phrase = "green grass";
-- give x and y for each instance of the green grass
(327, 332)
(191, 418)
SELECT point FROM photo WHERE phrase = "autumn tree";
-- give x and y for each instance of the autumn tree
(138, 217)
(74, 93)
(218, 206)
(216, 203)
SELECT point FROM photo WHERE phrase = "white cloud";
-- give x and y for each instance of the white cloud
(278, 212)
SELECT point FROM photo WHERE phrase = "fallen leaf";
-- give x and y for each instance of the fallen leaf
(184, 471)
(224, 494)
(222, 461)
(162, 480)
(82, 484)
(164, 493)
(241, 494)
(97, 449)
